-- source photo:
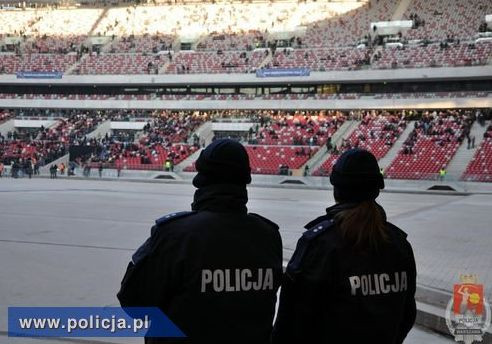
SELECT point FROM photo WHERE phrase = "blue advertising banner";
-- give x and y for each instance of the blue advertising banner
(39, 75)
(276, 72)
(90, 322)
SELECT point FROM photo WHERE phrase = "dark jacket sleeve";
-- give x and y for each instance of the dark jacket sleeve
(149, 277)
(410, 310)
(301, 306)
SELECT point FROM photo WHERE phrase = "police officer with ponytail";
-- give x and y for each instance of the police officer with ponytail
(215, 270)
(352, 276)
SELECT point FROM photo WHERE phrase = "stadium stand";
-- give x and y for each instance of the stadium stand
(455, 20)
(278, 159)
(431, 145)
(301, 128)
(309, 34)
(480, 167)
(377, 133)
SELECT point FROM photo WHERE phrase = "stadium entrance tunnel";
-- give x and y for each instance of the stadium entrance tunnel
(293, 181)
(441, 188)
(165, 176)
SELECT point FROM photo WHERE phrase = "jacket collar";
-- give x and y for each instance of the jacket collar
(335, 209)
(221, 198)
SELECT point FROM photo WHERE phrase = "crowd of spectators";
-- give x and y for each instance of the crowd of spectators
(224, 35)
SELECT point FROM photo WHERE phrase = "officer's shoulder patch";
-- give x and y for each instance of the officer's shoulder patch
(271, 223)
(295, 264)
(173, 216)
(318, 229)
(397, 229)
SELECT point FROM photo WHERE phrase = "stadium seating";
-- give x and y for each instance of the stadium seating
(353, 26)
(377, 133)
(409, 95)
(302, 128)
(480, 167)
(320, 35)
(38, 151)
(446, 19)
(119, 64)
(269, 159)
(5, 115)
(10, 63)
(434, 56)
(149, 158)
(321, 59)
(214, 62)
(430, 147)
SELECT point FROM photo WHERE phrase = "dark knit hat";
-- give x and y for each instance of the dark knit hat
(224, 161)
(356, 176)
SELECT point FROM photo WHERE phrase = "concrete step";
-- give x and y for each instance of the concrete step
(7, 126)
(101, 130)
(400, 10)
(204, 132)
(390, 156)
(463, 155)
(322, 154)
(188, 161)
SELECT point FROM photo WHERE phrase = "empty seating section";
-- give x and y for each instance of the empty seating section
(480, 167)
(434, 56)
(443, 19)
(321, 59)
(119, 64)
(10, 64)
(56, 44)
(431, 145)
(233, 41)
(350, 27)
(141, 44)
(212, 62)
(269, 159)
(302, 128)
(233, 20)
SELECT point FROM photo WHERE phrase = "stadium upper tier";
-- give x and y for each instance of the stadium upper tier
(242, 37)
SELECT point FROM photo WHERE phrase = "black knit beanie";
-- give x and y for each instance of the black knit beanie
(224, 161)
(356, 177)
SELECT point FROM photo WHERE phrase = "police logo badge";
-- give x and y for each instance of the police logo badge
(468, 314)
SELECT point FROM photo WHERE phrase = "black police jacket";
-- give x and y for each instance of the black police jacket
(214, 271)
(331, 294)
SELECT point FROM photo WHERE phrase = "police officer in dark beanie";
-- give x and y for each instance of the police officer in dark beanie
(215, 270)
(352, 276)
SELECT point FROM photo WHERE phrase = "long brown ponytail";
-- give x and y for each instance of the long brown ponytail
(363, 227)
